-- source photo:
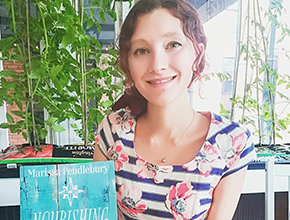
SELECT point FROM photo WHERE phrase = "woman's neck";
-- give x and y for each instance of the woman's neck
(166, 120)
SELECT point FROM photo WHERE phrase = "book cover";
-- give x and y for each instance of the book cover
(68, 192)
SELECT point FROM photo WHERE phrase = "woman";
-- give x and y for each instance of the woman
(171, 162)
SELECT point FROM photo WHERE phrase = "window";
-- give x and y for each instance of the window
(222, 32)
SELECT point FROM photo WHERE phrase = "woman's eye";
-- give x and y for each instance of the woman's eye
(140, 51)
(174, 45)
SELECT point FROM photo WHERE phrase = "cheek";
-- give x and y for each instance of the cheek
(136, 67)
(132, 67)
(183, 62)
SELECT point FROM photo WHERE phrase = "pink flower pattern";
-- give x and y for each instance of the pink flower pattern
(149, 170)
(203, 161)
(214, 121)
(117, 154)
(121, 123)
(231, 147)
(129, 200)
(182, 202)
(120, 215)
(97, 138)
(97, 133)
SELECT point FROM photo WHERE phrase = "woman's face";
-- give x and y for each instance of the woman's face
(161, 57)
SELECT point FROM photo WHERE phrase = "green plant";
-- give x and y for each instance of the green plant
(262, 83)
(53, 48)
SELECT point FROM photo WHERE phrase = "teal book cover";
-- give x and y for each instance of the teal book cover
(79, 191)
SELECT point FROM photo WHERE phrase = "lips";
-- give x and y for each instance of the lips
(161, 81)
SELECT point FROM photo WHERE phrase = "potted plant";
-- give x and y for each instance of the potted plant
(53, 48)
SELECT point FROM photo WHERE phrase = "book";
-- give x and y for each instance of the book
(68, 191)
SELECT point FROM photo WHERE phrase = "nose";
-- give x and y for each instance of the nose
(159, 61)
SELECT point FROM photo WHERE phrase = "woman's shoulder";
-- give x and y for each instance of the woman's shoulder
(225, 125)
(118, 116)
(121, 112)
(233, 141)
(120, 122)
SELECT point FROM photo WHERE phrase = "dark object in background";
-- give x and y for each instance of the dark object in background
(73, 151)
(10, 213)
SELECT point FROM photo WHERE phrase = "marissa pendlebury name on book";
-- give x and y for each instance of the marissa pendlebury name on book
(83, 169)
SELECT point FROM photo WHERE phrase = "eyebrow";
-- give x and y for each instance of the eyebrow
(168, 34)
(171, 33)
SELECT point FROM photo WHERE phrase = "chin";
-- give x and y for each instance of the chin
(161, 102)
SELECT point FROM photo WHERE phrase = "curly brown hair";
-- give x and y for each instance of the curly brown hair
(192, 28)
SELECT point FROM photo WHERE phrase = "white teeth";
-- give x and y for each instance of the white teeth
(161, 81)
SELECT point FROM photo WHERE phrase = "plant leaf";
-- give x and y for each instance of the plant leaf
(9, 118)
(43, 133)
(4, 125)
(90, 23)
(96, 42)
(24, 134)
(57, 128)
(282, 123)
(107, 103)
(55, 70)
(68, 38)
(50, 121)
(19, 104)
(38, 70)
(73, 125)
(18, 113)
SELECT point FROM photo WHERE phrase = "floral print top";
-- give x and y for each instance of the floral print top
(149, 191)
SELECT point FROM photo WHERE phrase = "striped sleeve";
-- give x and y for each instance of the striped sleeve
(104, 137)
(241, 153)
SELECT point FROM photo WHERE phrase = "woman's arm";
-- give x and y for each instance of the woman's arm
(98, 155)
(226, 196)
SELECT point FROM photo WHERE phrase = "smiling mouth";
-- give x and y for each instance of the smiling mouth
(161, 81)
